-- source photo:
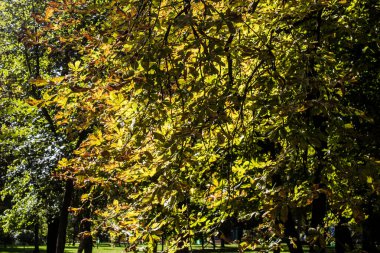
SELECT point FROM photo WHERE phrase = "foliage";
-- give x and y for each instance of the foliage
(29, 151)
(198, 112)
(28, 180)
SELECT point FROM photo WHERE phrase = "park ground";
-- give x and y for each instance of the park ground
(107, 248)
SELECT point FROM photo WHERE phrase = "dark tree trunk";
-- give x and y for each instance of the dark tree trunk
(319, 204)
(36, 237)
(291, 231)
(64, 213)
(343, 239)
(85, 243)
(155, 245)
(85, 234)
(371, 235)
(319, 209)
(52, 235)
(75, 230)
(225, 232)
(213, 242)
(86, 237)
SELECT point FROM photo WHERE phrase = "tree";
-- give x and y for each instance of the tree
(245, 104)
(23, 59)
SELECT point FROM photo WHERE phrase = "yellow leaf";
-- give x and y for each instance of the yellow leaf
(57, 79)
(348, 126)
(84, 197)
(63, 162)
(61, 101)
(75, 67)
(39, 82)
(49, 12)
(34, 102)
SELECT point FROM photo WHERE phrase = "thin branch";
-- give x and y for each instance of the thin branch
(184, 10)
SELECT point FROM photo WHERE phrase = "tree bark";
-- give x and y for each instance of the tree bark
(64, 213)
(76, 229)
(85, 233)
(319, 210)
(319, 204)
(36, 237)
(155, 246)
(371, 236)
(343, 239)
(52, 235)
(85, 243)
(291, 231)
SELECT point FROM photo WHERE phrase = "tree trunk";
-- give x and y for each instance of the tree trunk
(155, 246)
(319, 204)
(343, 239)
(63, 219)
(75, 230)
(36, 237)
(85, 234)
(291, 231)
(319, 209)
(85, 243)
(371, 236)
(52, 235)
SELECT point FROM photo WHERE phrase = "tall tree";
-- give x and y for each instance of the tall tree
(247, 104)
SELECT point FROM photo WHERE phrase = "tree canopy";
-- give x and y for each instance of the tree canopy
(178, 118)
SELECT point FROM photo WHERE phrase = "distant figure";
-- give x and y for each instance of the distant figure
(97, 242)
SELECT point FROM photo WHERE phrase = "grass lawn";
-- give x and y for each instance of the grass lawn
(103, 248)
(107, 248)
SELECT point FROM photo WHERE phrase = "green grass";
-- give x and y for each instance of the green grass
(103, 248)
(107, 248)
